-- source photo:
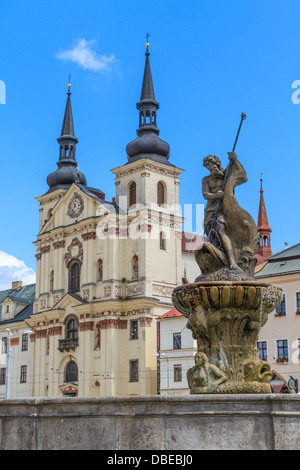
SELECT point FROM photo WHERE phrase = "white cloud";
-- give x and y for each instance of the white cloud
(13, 269)
(83, 54)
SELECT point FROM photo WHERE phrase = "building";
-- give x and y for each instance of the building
(105, 271)
(279, 341)
(177, 349)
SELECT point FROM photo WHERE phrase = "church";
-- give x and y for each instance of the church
(105, 271)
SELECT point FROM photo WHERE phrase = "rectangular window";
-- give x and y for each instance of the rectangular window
(133, 329)
(134, 370)
(282, 350)
(298, 301)
(23, 376)
(25, 342)
(2, 376)
(262, 350)
(4, 345)
(177, 373)
(176, 340)
(281, 309)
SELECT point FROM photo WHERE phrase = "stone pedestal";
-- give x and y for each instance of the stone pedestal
(153, 423)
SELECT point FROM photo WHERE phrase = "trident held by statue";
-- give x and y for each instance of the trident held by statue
(214, 221)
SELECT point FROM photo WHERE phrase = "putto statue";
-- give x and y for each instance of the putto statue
(225, 306)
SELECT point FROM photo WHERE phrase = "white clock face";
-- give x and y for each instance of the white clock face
(75, 206)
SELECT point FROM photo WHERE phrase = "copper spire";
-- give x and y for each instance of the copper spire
(264, 249)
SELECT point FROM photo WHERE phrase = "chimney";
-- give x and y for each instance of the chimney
(16, 284)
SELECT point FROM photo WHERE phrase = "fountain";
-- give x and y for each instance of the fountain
(226, 307)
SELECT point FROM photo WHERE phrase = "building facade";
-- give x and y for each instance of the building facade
(279, 341)
(105, 271)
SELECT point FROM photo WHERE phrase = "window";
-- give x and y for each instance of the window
(132, 194)
(4, 345)
(7, 308)
(298, 301)
(134, 370)
(23, 376)
(100, 270)
(2, 376)
(162, 241)
(135, 267)
(262, 350)
(177, 373)
(282, 350)
(72, 329)
(176, 340)
(133, 329)
(160, 193)
(71, 372)
(74, 277)
(281, 309)
(25, 342)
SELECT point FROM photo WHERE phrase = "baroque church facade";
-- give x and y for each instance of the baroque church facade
(105, 271)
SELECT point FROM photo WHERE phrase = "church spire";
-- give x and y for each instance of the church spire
(148, 144)
(147, 87)
(263, 228)
(67, 172)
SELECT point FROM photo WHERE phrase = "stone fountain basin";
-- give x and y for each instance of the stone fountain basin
(241, 295)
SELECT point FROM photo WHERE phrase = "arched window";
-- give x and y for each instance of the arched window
(135, 267)
(72, 328)
(162, 241)
(71, 372)
(74, 277)
(132, 194)
(160, 193)
(100, 270)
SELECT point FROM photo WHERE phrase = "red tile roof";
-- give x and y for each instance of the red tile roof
(171, 313)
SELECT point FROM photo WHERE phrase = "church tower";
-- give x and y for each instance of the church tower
(264, 249)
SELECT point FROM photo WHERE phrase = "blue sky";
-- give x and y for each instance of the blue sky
(210, 60)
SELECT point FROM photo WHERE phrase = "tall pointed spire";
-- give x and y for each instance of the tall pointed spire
(147, 87)
(68, 125)
(148, 144)
(67, 172)
(263, 227)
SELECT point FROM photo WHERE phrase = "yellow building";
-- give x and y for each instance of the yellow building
(105, 272)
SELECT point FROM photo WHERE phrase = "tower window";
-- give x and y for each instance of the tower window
(132, 194)
(74, 277)
(162, 241)
(160, 193)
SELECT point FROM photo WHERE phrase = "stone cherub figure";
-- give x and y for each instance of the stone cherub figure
(228, 252)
